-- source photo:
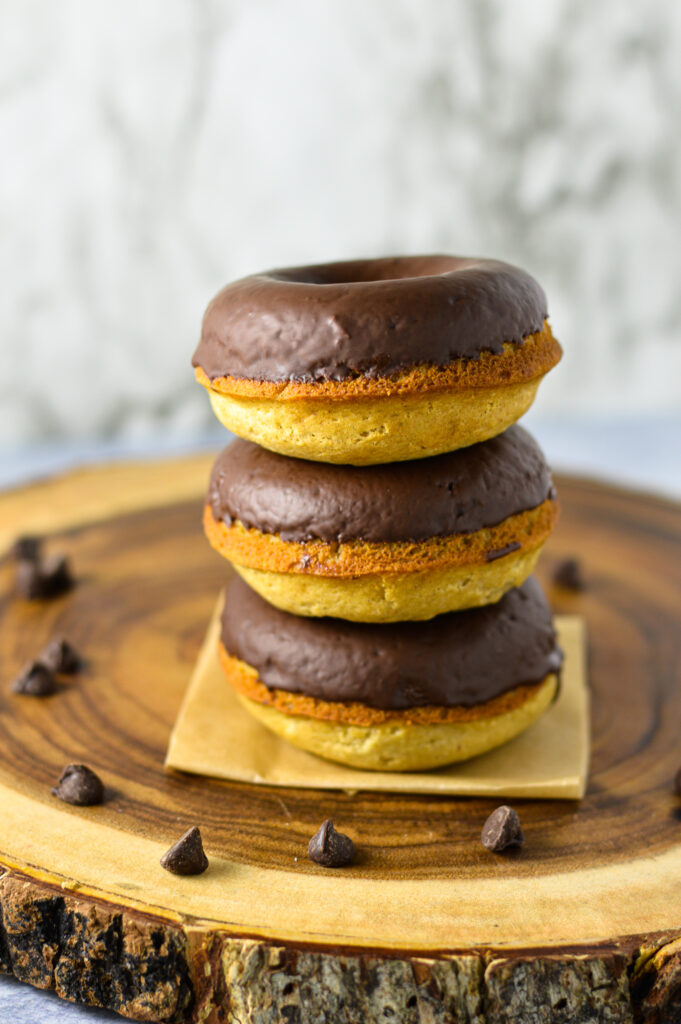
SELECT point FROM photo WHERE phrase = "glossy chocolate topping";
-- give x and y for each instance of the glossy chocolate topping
(369, 317)
(458, 492)
(463, 658)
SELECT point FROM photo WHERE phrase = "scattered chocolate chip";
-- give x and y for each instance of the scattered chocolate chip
(677, 783)
(330, 848)
(186, 856)
(61, 656)
(27, 549)
(49, 578)
(502, 829)
(568, 574)
(35, 680)
(79, 785)
(57, 575)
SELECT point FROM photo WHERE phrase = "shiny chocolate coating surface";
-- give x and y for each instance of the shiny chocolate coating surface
(459, 492)
(459, 659)
(366, 317)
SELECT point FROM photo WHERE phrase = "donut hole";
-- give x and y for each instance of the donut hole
(398, 268)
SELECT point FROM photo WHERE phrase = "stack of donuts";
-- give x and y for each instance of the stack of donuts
(381, 508)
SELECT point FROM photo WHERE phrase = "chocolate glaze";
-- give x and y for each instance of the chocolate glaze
(463, 658)
(369, 317)
(458, 492)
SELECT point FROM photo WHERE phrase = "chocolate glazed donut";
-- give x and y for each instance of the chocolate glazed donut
(389, 543)
(400, 698)
(376, 360)
(369, 317)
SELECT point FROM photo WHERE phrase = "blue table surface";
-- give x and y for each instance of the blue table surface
(641, 454)
(644, 454)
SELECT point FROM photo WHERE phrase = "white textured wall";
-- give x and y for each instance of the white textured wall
(152, 150)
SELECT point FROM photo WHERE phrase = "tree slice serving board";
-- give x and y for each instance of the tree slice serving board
(582, 924)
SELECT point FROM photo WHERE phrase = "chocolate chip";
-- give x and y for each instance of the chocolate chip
(502, 829)
(330, 848)
(186, 856)
(35, 680)
(492, 556)
(57, 575)
(79, 785)
(677, 783)
(27, 548)
(61, 656)
(568, 574)
(48, 578)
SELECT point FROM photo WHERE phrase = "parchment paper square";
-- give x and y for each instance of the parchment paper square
(214, 736)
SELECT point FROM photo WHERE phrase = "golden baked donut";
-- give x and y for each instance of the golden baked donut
(404, 746)
(401, 697)
(383, 543)
(373, 361)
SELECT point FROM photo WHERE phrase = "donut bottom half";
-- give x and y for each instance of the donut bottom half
(393, 597)
(363, 431)
(405, 746)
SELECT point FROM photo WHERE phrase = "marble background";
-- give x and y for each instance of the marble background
(152, 151)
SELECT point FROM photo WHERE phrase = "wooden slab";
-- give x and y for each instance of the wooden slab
(584, 923)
